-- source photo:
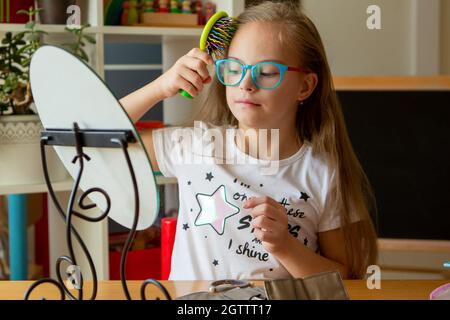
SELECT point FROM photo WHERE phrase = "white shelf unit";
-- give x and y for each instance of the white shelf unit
(175, 43)
(65, 185)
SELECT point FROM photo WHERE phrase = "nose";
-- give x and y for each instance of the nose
(247, 82)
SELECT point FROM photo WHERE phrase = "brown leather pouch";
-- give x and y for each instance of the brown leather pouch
(249, 293)
(323, 286)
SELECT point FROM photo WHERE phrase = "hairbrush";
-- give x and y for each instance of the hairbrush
(216, 38)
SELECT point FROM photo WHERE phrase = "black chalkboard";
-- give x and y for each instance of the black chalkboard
(402, 139)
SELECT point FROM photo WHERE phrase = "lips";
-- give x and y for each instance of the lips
(248, 103)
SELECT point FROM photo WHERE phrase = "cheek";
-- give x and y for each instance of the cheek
(230, 97)
(285, 95)
(278, 99)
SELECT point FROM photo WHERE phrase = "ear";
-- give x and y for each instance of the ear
(309, 83)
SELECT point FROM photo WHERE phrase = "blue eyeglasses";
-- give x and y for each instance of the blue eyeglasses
(265, 75)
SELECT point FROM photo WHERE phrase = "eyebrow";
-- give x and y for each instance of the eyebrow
(274, 60)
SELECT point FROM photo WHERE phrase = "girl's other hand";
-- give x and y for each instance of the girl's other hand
(189, 73)
(270, 221)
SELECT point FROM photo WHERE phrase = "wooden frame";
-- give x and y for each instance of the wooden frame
(392, 83)
(418, 246)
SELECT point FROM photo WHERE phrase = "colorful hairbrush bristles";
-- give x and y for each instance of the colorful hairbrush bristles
(216, 38)
(220, 37)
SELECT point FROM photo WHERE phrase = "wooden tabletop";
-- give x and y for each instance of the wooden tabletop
(112, 290)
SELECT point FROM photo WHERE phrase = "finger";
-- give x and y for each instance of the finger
(263, 235)
(265, 210)
(202, 55)
(188, 87)
(208, 80)
(193, 78)
(260, 200)
(264, 223)
(198, 66)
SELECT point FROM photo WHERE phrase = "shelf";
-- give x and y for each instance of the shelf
(35, 188)
(125, 34)
(392, 83)
(111, 30)
(61, 186)
(156, 31)
(18, 27)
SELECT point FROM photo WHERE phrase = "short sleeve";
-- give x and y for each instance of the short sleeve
(170, 148)
(330, 217)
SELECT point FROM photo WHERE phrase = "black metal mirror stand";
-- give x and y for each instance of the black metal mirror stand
(79, 139)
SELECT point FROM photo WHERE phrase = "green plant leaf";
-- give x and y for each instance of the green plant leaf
(16, 70)
(35, 37)
(89, 38)
(84, 56)
(17, 59)
(22, 50)
(30, 25)
(22, 12)
(19, 36)
(20, 42)
(26, 62)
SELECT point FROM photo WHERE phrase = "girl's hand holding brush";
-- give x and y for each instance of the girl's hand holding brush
(189, 73)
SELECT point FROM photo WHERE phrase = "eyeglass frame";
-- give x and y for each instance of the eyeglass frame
(282, 67)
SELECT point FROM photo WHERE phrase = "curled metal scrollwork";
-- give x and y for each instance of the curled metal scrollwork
(80, 157)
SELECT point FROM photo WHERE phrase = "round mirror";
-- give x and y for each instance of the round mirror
(66, 90)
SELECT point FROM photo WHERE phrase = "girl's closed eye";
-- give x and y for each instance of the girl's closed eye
(273, 74)
(267, 70)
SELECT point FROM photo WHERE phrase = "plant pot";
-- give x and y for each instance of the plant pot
(20, 155)
(54, 11)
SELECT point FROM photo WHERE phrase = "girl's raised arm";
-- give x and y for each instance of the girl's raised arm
(189, 73)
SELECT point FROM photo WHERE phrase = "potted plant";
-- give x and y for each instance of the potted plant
(19, 124)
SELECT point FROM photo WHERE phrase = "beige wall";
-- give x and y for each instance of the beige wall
(445, 36)
(353, 49)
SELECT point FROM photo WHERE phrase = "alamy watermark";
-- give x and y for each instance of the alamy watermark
(74, 19)
(215, 145)
(373, 22)
(374, 278)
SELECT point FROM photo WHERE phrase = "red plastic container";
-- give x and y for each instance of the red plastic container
(168, 230)
(141, 264)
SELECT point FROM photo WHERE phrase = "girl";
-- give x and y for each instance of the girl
(312, 214)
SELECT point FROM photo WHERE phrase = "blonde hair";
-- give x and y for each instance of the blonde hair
(319, 121)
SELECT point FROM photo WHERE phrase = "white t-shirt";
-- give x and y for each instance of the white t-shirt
(214, 238)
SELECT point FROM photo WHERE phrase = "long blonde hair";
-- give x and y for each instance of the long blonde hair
(319, 121)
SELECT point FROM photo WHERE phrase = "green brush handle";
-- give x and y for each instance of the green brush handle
(203, 39)
(185, 94)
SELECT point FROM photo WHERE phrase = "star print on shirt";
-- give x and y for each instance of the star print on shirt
(304, 196)
(215, 209)
(215, 262)
(185, 226)
(209, 176)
